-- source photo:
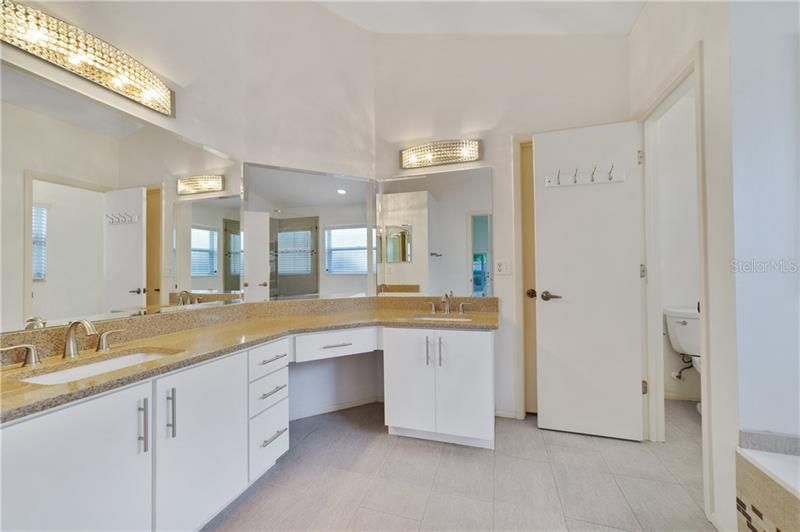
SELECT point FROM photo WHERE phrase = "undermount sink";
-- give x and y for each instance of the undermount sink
(89, 370)
(442, 318)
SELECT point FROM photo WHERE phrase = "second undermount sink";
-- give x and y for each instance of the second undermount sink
(442, 318)
(90, 370)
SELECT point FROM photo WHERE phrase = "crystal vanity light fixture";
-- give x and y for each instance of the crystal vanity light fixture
(81, 53)
(199, 184)
(440, 152)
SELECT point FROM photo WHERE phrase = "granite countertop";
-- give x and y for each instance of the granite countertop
(185, 348)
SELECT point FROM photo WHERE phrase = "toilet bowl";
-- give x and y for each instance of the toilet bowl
(683, 329)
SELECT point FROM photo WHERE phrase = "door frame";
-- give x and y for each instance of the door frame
(690, 68)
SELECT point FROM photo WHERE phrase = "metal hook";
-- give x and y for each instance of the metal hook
(575, 177)
(611, 172)
(558, 177)
(594, 171)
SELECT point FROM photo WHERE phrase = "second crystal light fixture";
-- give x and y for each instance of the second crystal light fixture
(440, 152)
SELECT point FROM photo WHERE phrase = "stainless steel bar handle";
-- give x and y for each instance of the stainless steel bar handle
(440, 351)
(172, 397)
(145, 437)
(273, 391)
(427, 351)
(274, 437)
(334, 346)
(273, 359)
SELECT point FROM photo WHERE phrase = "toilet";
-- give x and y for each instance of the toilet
(683, 329)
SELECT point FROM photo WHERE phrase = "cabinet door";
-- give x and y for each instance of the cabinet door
(465, 384)
(201, 442)
(408, 378)
(80, 468)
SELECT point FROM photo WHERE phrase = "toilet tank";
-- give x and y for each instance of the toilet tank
(683, 328)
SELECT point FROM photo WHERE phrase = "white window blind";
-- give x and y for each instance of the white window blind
(204, 252)
(235, 247)
(346, 250)
(39, 243)
(295, 252)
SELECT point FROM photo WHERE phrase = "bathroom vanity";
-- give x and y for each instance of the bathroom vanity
(169, 443)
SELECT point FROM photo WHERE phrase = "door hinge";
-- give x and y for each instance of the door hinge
(644, 387)
(642, 271)
(640, 156)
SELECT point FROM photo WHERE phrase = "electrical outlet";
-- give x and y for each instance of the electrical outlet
(502, 267)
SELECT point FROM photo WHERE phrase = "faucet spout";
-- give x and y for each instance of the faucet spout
(71, 345)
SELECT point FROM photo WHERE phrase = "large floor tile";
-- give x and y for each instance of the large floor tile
(525, 482)
(520, 438)
(362, 452)
(370, 520)
(661, 506)
(451, 512)
(338, 495)
(466, 471)
(509, 516)
(593, 497)
(575, 525)
(585, 459)
(411, 460)
(569, 439)
(397, 498)
(637, 461)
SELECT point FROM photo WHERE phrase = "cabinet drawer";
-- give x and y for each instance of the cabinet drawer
(269, 438)
(267, 358)
(268, 390)
(331, 344)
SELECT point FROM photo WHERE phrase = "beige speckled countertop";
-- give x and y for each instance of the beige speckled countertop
(185, 348)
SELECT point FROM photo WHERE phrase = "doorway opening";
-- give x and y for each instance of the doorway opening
(480, 238)
(673, 255)
(528, 273)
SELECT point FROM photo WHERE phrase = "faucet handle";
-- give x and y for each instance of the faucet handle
(31, 354)
(102, 342)
(461, 307)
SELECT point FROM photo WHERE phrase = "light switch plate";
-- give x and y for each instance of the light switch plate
(502, 267)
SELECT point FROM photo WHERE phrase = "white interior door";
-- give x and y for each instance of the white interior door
(125, 248)
(255, 241)
(589, 248)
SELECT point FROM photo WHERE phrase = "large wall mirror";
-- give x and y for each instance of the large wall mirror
(321, 237)
(89, 209)
(435, 234)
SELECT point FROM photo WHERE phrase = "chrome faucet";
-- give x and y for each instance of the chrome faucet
(188, 300)
(71, 345)
(446, 302)
(31, 354)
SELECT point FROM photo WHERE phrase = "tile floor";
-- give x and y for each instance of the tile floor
(344, 472)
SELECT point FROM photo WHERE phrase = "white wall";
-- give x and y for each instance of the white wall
(210, 217)
(75, 222)
(664, 36)
(493, 87)
(288, 84)
(765, 69)
(38, 144)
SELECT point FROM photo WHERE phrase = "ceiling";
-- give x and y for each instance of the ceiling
(491, 17)
(40, 96)
(286, 189)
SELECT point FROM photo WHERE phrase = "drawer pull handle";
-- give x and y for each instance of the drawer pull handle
(273, 359)
(334, 346)
(274, 437)
(272, 392)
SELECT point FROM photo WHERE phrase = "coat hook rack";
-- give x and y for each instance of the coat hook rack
(585, 177)
(122, 218)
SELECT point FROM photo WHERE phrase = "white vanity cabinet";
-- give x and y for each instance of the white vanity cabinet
(83, 467)
(200, 433)
(439, 384)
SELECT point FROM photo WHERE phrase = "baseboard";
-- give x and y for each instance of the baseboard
(446, 438)
(326, 409)
(678, 397)
(510, 415)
